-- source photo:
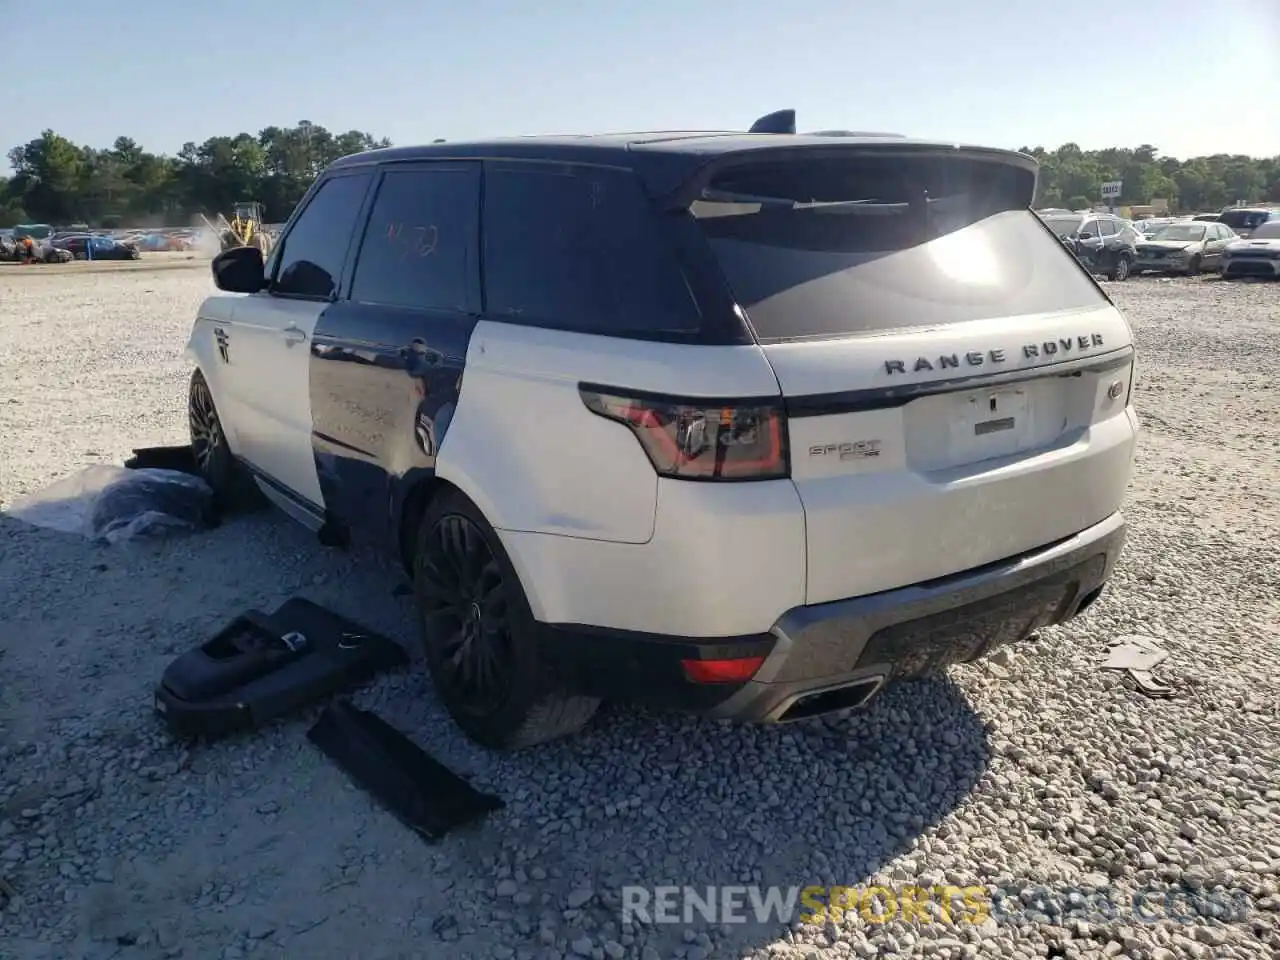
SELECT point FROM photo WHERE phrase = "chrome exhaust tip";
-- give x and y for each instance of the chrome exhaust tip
(846, 696)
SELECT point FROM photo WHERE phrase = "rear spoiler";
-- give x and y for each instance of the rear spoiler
(784, 121)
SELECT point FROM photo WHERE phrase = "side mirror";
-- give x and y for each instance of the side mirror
(239, 270)
(1087, 235)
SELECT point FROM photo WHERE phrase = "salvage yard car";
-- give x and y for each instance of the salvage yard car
(1258, 256)
(1189, 248)
(1245, 220)
(749, 424)
(1105, 244)
(96, 247)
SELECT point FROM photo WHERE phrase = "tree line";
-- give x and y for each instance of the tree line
(57, 181)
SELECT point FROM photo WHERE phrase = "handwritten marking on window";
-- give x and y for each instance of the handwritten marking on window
(419, 241)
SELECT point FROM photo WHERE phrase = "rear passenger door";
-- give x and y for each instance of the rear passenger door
(387, 359)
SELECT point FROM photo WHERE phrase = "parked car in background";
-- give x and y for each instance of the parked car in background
(1245, 220)
(1255, 256)
(1104, 243)
(91, 247)
(1153, 225)
(1188, 248)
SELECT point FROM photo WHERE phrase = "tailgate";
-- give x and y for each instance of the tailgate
(956, 385)
(908, 477)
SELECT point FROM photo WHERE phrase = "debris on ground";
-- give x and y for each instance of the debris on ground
(111, 504)
(1136, 656)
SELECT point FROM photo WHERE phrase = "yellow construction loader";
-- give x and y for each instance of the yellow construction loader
(244, 229)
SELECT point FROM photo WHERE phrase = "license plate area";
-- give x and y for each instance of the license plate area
(990, 423)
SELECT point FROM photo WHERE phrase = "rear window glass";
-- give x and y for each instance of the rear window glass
(836, 247)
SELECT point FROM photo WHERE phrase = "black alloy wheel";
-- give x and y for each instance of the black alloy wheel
(479, 636)
(466, 609)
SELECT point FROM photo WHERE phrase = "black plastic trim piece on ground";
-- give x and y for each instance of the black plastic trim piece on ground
(180, 458)
(426, 796)
(263, 666)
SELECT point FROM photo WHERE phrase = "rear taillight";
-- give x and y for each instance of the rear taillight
(700, 440)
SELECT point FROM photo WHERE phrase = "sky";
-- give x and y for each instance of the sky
(1003, 73)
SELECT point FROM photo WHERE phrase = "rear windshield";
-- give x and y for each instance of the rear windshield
(836, 247)
(1244, 219)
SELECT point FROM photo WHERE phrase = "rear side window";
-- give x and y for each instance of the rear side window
(315, 248)
(826, 248)
(421, 243)
(579, 248)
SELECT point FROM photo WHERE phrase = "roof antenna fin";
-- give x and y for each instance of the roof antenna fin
(780, 121)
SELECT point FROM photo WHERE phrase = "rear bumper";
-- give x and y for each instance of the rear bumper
(835, 655)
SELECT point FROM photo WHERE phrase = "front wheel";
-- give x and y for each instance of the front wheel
(231, 484)
(478, 635)
(1193, 267)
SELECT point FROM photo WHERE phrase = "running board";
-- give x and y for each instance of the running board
(422, 793)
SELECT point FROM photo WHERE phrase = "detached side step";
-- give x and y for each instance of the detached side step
(426, 796)
(261, 666)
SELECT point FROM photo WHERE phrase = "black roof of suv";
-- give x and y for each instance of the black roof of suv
(664, 161)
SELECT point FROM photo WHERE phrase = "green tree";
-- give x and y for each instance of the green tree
(57, 181)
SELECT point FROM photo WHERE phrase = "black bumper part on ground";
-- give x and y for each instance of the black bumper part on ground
(250, 673)
(837, 655)
(426, 796)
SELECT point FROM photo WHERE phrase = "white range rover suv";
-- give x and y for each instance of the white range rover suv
(749, 424)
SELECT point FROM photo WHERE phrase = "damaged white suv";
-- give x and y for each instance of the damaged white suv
(749, 424)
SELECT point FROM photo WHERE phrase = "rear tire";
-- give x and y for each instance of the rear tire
(479, 635)
(1120, 269)
(232, 486)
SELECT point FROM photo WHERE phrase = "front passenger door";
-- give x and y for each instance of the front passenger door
(1215, 241)
(271, 340)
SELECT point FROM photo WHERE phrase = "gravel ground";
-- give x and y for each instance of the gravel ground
(1034, 768)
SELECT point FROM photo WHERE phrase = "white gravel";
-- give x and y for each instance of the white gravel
(1034, 769)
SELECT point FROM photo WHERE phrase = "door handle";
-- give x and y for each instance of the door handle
(293, 335)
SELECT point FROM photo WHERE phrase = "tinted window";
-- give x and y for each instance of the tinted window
(419, 248)
(579, 248)
(310, 263)
(827, 248)
(1063, 226)
(1108, 228)
(1244, 219)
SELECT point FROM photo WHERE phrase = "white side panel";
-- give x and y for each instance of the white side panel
(526, 449)
(726, 559)
(270, 349)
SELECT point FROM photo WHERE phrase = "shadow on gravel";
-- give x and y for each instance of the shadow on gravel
(647, 800)
(638, 799)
